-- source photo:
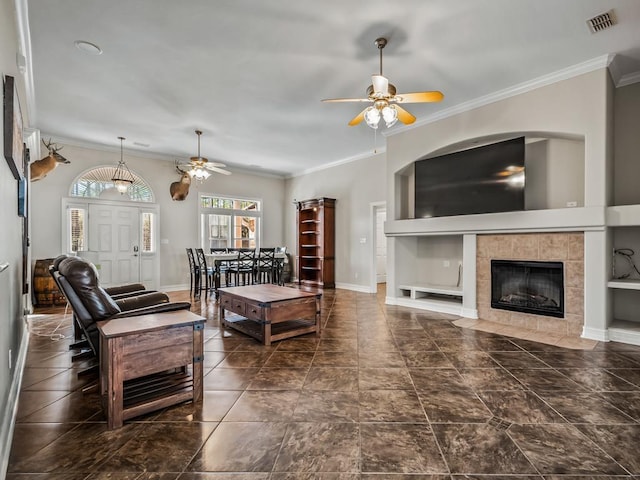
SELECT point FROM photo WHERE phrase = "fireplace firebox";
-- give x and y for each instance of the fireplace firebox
(528, 287)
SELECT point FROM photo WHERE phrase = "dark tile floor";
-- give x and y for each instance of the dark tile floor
(384, 393)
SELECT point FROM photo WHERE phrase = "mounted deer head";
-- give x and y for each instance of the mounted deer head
(41, 168)
(179, 190)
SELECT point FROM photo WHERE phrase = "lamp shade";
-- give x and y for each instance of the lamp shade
(372, 117)
(122, 177)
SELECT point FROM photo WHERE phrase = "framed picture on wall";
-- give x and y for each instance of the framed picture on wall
(22, 197)
(23, 211)
(13, 145)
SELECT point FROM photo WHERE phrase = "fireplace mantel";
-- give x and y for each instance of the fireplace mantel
(553, 220)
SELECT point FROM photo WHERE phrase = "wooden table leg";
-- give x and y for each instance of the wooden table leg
(318, 317)
(266, 329)
(198, 361)
(115, 383)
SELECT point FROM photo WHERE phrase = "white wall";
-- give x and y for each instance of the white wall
(355, 186)
(178, 220)
(573, 108)
(627, 145)
(12, 327)
(554, 174)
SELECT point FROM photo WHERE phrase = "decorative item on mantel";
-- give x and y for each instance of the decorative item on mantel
(122, 177)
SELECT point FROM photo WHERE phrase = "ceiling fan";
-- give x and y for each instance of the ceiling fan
(385, 99)
(200, 166)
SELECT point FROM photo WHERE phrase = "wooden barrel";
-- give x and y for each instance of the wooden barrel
(45, 290)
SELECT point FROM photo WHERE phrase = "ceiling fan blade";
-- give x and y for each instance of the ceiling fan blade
(346, 100)
(418, 97)
(217, 170)
(404, 116)
(358, 118)
(214, 164)
(380, 84)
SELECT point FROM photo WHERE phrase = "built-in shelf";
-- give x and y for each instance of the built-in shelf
(309, 221)
(623, 216)
(309, 232)
(625, 284)
(419, 290)
(439, 298)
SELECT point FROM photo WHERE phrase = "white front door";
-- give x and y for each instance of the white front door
(114, 232)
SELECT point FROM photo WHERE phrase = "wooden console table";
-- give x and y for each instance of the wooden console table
(144, 363)
(270, 312)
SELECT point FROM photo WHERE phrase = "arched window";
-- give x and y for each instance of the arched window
(96, 183)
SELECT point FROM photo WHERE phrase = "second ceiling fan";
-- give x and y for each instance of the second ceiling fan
(385, 99)
(199, 166)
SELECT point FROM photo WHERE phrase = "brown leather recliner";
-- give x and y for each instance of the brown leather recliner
(117, 292)
(91, 303)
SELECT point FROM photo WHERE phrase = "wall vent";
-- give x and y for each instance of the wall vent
(602, 22)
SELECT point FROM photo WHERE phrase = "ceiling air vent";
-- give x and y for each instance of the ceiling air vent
(601, 22)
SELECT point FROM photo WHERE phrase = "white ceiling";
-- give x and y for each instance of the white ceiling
(251, 73)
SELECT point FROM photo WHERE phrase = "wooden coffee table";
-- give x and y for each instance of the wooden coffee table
(270, 312)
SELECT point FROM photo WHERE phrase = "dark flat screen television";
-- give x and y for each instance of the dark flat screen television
(485, 179)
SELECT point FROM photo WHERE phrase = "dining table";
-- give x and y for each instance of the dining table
(218, 259)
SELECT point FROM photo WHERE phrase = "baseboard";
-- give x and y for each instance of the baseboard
(599, 334)
(433, 306)
(9, 418)
(624, 336)
(469, 313)
(174, 288)
(353, 287)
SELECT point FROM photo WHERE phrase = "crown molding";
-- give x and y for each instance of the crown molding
(564, 74)
(619, 78)
(628, 79)
(74, 142)
(353, 158)
(24, 57)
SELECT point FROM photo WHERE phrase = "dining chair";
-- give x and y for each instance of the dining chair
(265, 266)
(205, 271)
(194, 273)
(243, 267)
(221, 267)
(279, 265)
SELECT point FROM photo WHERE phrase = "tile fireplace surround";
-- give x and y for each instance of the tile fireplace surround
(563, 247)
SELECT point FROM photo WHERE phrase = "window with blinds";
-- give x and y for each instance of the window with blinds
(77, 233)
(147, 232)
(229, 222)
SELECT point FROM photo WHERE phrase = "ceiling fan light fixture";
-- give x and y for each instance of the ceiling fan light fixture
(122, 178)
(372, 117)
(390, 115)
(199, 173)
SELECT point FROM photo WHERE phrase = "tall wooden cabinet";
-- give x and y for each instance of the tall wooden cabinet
(316, 242)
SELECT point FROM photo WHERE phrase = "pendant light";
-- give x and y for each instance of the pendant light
(122, 177)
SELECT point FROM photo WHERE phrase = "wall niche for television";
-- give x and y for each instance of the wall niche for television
(495, 175)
